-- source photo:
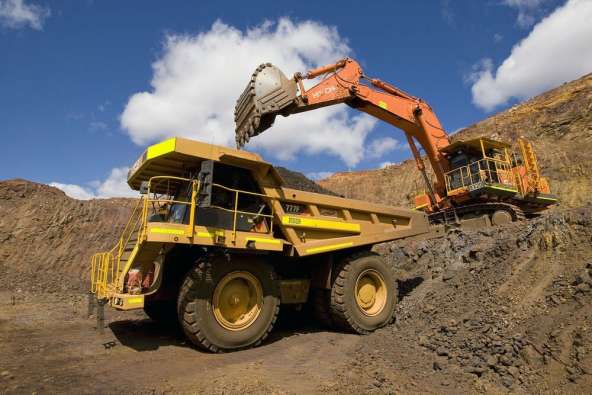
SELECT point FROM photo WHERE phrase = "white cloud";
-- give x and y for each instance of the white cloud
(527, 10)
(16, 14)
(198, 79)
(381, 146)
(384, 165)
(74, 191)
(557, 50)
(115, 185)
(319, 175)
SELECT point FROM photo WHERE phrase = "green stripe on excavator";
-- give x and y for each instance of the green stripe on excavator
(547, 198)
(502, 189)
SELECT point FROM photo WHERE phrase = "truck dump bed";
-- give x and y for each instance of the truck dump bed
(296, 222)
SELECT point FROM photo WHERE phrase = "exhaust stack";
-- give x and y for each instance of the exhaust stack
(268, 93)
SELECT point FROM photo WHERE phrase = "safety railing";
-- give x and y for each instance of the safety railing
(102, 273)
(162, 205)
(235, 211)
(480, 173)
(106, 267)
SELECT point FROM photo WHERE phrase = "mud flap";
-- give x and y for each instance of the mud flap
(101, 315)
(92, 303)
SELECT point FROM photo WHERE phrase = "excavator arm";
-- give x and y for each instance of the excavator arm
(270, 93)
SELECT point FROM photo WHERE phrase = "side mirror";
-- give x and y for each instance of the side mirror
(144, 187)
(206, 178)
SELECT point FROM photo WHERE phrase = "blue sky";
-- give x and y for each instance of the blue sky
(72, 73)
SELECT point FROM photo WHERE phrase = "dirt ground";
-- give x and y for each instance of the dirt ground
(48, 345)
(505, 310)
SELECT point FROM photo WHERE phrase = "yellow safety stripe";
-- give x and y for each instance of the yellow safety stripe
(167, 231)
(320, 224)
(136, 300)
(164, 147)
(263, 240)
(329, 247)
(211, 234)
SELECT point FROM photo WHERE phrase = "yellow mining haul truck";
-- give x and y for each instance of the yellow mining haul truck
(217, 243)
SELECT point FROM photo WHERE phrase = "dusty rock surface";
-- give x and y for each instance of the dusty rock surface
(47, 238)
(504, 310)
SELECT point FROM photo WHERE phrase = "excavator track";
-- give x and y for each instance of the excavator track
(456, 215)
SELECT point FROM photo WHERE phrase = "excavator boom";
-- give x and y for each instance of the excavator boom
(475, 174)
(270, 93)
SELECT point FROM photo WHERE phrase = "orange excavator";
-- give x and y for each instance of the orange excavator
(474, 178)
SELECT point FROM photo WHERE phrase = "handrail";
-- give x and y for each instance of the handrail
(480, 171)
(236, 211)
(106, 267)
(240, 191)
(102, 273)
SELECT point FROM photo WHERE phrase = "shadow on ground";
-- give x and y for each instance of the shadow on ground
(147, 335)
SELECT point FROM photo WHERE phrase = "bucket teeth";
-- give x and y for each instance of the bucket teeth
(266, 95)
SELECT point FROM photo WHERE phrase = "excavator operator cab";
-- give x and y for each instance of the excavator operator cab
(479, 168)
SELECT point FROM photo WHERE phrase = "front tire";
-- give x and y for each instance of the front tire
(364, 293)
(228, 305)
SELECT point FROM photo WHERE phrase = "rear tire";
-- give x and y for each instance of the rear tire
(364, 293)
(228, 305)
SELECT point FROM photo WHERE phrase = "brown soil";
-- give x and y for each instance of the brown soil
(558, 122)
(497, 310)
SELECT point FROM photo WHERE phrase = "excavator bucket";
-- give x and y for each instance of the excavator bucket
(269, 92)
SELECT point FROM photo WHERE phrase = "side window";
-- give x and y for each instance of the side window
(226, 181)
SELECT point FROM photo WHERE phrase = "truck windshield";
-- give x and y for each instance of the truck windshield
(179, 212)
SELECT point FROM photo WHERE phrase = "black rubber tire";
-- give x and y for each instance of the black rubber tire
(162, 311)
(321, 300)
(345, 313)
(194, 304)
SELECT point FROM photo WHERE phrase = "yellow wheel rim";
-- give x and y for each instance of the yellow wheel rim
(371, 293)
(237, 301)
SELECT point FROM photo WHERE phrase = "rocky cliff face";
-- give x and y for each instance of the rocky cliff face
(558, 122)
(47, 238)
